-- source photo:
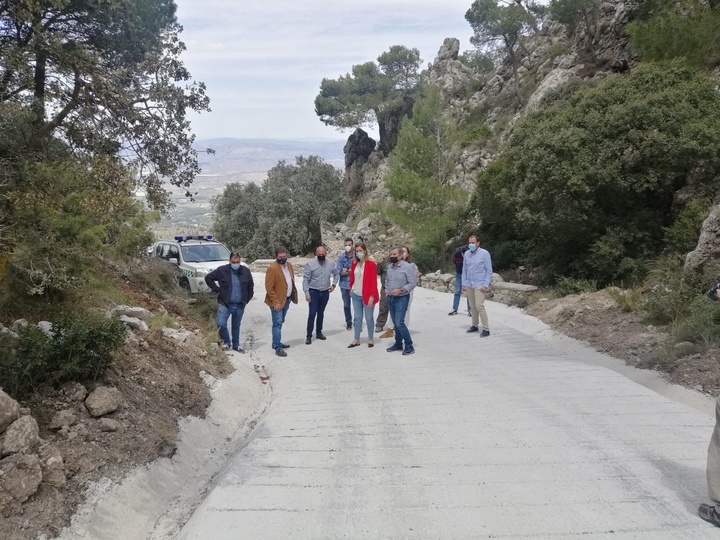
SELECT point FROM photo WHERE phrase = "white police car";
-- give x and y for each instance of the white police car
(196, 256)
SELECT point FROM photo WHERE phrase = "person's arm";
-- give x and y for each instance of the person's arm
(211, 281)
(488, 266)
(465, 271)
(411, 277)
(307, 274)
(270, 287)
(251, 287)
(335, 276)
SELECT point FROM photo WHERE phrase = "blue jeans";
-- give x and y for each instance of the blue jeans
(278, 318)
(318, 301)
(360, 310)
(398, 305)
(345, 293)
(458, 293)
(224, 312)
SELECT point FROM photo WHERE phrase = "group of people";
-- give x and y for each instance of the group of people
(356, 274)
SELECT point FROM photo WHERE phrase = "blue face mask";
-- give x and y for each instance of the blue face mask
(282, 260)
(235, 266)
(360, 255)
(472, 247)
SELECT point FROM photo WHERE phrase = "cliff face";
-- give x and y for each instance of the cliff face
(552, 57)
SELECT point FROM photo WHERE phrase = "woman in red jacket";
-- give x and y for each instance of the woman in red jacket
(363, 293)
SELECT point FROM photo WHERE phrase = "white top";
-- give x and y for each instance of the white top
(287, 279)
(357, 284)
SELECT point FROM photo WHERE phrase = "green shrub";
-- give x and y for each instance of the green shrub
(628, 300)
(700, 323)
(80, 349)
(683, 234)
(567, 285)
(588, 183)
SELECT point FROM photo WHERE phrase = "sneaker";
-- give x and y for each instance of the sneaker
(408, 351)
(388, 333)
(485, 333)
(279, 352)
(308, 340)
(394, 348)
(225, 347)
(320, 335)
(239, 349)
(709, 514)
(378, 330)
(348, 326)
(472, 329)
(453, 313)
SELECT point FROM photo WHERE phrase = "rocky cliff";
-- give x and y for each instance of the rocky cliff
(552, 57)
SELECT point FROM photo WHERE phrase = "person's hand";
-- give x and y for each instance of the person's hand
(397, 292)
(277, 307)
(464, 289)
(484, 289)
(307, 297)
(332, 288)
(371, 302)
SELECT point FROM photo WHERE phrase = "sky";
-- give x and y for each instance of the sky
(263, 60)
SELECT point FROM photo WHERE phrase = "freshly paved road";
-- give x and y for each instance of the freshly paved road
(503, 437)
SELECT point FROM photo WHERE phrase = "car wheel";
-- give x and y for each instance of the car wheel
(185, 284)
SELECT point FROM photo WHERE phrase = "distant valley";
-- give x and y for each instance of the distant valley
(236, 160)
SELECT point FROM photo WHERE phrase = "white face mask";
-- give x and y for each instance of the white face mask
(348, 249)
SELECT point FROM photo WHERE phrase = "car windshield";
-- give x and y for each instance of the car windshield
(205, 252)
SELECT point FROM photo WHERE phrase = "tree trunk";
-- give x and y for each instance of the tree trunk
(38, 105)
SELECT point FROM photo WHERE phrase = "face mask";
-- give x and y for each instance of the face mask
(348, 249)
(282, 260)
(360, 255)
(235, 266)
(472, 247)
(321, 258)
(394, 260)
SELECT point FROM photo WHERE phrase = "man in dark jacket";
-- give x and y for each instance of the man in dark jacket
(234, 286)
(457, 259)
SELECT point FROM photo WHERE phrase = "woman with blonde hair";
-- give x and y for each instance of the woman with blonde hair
(407, 257)
(363, 293)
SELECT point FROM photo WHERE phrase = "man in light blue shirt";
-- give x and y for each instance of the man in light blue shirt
(476, 276)
(317, 275)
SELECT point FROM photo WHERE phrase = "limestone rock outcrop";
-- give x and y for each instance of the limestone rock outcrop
(103, 400)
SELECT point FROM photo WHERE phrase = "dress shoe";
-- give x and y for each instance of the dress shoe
(485, 333)
(454, 312)
(284, 346)
(308, 340)
(348, 326)
(473, 329)
(321, 336)
(280, 352)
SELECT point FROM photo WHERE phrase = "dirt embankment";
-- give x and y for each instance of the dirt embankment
(596, 319)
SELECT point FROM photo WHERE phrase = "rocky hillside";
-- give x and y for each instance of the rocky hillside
(552, 57)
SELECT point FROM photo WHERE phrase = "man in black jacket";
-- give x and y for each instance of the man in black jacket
(234, 286)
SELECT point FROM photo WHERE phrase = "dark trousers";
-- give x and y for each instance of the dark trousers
(382, 311)
(345, 293)
(318, 301)
(398, 308)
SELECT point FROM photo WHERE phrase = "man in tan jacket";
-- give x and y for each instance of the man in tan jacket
(280, 291)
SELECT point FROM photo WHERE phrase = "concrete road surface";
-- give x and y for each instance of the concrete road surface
(503, 437)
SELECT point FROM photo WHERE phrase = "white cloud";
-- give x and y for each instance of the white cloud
(263, 60)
